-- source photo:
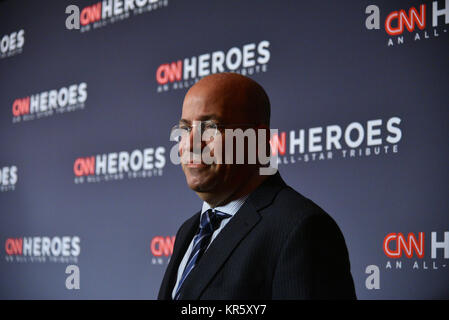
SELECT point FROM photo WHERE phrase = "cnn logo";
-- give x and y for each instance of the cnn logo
(395, 244)
(162, 246)
(84, 166)
(404, 245)
(14, 246)
(413, 18)
(21, 107)
(169, 72)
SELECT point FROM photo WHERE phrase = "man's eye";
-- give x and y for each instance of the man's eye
(208, 126)
(184, 127)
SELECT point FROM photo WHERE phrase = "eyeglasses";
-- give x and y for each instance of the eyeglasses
(182, 130)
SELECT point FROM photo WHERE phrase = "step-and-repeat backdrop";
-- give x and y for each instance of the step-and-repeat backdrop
(90, 201)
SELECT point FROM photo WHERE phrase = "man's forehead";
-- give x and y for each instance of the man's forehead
(222, 97)
(218, 111)
(204, 106)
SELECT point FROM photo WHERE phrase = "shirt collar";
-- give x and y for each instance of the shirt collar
(230, 208)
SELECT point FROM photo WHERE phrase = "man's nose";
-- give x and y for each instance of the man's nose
(192, 141)
(195, 141)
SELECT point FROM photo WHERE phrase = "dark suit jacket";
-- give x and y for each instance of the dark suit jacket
(279, 245)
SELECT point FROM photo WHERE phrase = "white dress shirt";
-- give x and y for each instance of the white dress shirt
(231, 208)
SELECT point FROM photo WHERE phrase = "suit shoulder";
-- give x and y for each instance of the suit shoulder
(290, 208)
(290, 201)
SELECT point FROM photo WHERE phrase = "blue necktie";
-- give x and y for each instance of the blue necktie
(210, 221)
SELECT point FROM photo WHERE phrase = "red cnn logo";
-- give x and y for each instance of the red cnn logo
(84, 166)
(14, 246)
(403, 245)
(410, 20)
(21, 106)
(90, 14)
(169, 72)
(162, 246)
(278, 144)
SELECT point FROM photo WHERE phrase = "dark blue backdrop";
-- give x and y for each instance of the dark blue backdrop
(94, 92)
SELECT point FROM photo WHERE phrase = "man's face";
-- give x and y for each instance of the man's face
(202, 105)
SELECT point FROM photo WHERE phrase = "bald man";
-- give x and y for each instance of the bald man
(255, 237)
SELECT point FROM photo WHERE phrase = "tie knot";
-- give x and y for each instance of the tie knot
(211, 219)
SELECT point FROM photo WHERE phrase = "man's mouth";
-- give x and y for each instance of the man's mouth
(196, 165)
(193, 161)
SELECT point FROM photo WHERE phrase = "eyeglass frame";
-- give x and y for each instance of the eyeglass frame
(218, 126)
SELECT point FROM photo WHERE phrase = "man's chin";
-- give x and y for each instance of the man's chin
(198, 182)
(199, 187)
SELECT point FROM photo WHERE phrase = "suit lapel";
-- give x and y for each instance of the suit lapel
(231, 235)
(219, 250)
(182, 242)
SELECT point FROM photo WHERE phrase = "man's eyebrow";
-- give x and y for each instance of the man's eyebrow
(202, 118)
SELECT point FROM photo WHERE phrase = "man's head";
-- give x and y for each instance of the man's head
(232, 101)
